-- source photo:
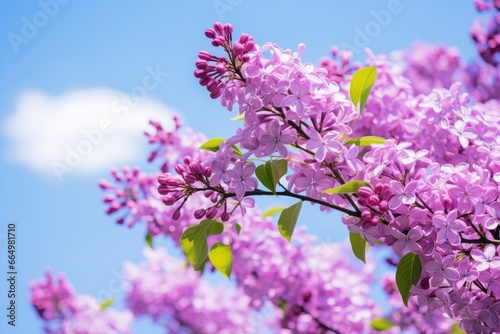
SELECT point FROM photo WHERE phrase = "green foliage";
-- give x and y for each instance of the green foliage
(272, 211)
(366, 141)
(382, 324)
(456, 330)
(221, 257)
(238, 117)
(149, 240)
(407, 274)
(106, 303)
(213, 145)
(288, 220)
(358, 245)
(271, 172)
(347, 188)
(194, 241)
(361, 84)
(237, 227)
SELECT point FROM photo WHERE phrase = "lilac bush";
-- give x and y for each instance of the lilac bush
(406, 148)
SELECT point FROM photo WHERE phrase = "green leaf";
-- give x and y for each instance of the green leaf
(361, 84)
(271, 172)
(221, 257)
(347, 188)
(283, 305)
(457, 330)
(149, 240)
(358, 245)
(237, 151)
(213, 145)
(272, 211)
(366, 141)
(237, 227)
(106, 303)
(407, 274)
(288, 220)
(194, 241)
(382, 324)
(238, 117)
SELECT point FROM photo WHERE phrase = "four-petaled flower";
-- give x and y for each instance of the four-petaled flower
(487, 258)
(241, 178)
(275, 140)
(449, 228)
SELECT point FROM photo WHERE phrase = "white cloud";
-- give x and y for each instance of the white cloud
(81, 131)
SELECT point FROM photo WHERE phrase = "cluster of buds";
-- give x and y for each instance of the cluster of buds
(377, 202)
(213, 71)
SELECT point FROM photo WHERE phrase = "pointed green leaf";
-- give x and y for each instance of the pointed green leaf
(213, 145)
(366, 141)
(237, 151)
(265, 177)
(283, 305)
(271, 172)
(238, 117)
(288, 220)
(407, 274)
(221, 257)
(106, 303)
(194, 241)
(361, 84)
(272, 211)
(457, 330)
(237, 227)
(279, 169)
(347, 188)
(358, 245)
(382, 324)
(149, 240)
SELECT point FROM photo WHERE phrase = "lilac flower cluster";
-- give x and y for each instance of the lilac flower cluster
(65, 312)
(488, 38)
(417, 317)
(177, 298)
(436, 202)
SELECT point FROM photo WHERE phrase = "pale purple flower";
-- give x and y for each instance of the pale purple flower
(492, 280)
(487, 258)
(241, 178)
(321, 145)
(219, 171)
(275, 140)
(299, 97)
(410, 239)
(449, 228)
(465, 193)
(464, 133)
(467, 272)
(494, 211)
(402, 194)
(274, 90)
(441, 268)
(313, 181)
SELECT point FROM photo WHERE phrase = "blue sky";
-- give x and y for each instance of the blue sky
(87, 53)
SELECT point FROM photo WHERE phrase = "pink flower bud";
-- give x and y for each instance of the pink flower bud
(199, 214)
(168, 200)
(373, 200)
(219, 29)
(225, 216)
(176, 215)
(212, 212)
(105, 184)
(210, 33)
(365, 192)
